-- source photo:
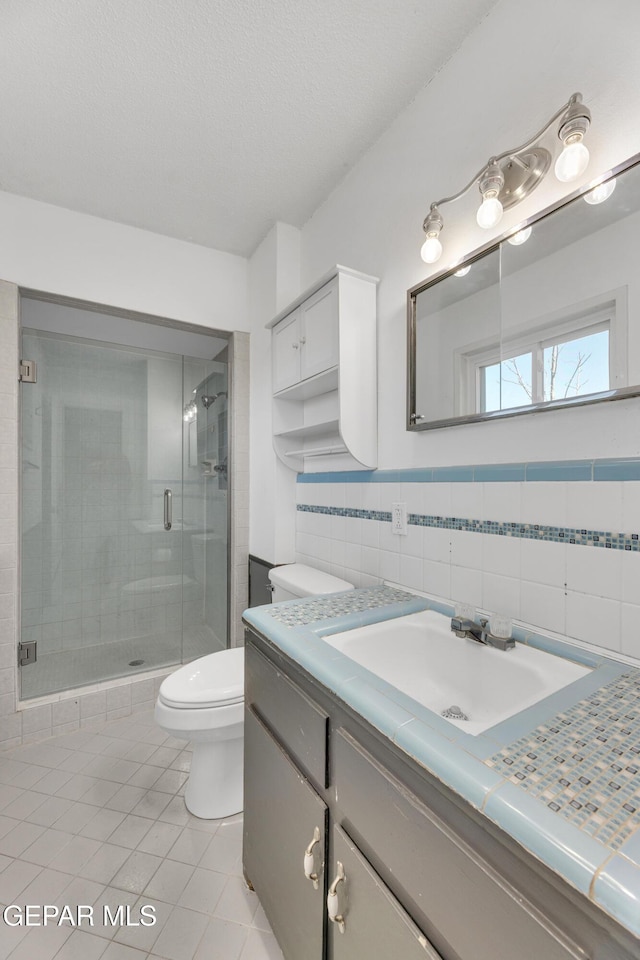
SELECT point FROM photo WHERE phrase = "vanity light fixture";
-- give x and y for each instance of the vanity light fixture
(511, 176)
(462, 272)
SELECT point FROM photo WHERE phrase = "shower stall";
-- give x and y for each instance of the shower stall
(125, 509)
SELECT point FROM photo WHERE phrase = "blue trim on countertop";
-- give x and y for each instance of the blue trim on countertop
(618, 468)
(459, 759)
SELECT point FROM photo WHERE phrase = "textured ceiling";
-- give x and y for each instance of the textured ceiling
(208, 120)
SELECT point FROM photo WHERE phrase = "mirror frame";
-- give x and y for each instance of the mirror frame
(414, 420)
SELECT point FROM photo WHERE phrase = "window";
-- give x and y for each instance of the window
(553, 369)
(566, 358)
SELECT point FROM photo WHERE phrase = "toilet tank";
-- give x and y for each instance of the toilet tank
(295, 580)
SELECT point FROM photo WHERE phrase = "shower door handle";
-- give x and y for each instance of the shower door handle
(167, 509)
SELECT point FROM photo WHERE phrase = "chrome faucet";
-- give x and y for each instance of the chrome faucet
(463, 627)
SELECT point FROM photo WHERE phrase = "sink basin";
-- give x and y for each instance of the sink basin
(419, 655)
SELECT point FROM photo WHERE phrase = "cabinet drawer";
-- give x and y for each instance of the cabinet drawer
(375, 924)
(469, 911)
(299, 724)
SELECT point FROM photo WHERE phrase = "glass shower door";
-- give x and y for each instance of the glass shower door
(102, 570)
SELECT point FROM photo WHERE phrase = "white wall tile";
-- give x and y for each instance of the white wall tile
(466, 549)
(413, 544)
(501, 594)
(466, 500)
(502, 501)
(595, 506)
(544, 502)
(466, 585)
(631, 506)
(437, 578)
(594, 570)
(390, 566)
(437, 499)
(411, 572)
(543, 605)
(437, 544)
(594, 619)
(544, 562)
(630, 629)
(501, 555)
(630, 577)
(371, 496)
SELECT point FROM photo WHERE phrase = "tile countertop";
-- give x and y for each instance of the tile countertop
(561, 777)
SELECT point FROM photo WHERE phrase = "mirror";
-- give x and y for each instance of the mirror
(533, 326)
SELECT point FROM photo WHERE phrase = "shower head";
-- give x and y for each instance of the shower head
(208, 400)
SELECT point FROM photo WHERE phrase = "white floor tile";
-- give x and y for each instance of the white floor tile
(222, 940)
(98, 817)
(181, 935)
(203, 891)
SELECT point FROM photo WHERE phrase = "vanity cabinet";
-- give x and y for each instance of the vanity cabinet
(417, 872)
(324, 382)
(287, 819)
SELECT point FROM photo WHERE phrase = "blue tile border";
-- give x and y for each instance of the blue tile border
(605, 539)
(617, 468)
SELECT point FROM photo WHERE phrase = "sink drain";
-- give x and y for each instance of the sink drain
(454, 713)
(136, 663)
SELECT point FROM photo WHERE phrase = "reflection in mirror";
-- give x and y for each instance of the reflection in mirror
(453, 320)
(538, 324)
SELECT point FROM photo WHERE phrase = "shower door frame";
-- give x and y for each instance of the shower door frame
(157, 321)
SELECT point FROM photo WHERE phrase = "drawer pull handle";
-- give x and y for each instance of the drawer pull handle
(309, 860)
(333, 907)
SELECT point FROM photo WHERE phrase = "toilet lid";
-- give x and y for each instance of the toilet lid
(214, 680)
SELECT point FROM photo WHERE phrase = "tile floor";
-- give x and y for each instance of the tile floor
(96, 817)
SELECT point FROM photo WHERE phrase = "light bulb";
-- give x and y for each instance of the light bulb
(601, 193)
(520, 237)
(489, 213)
(463, 271)
(572, 162)
(431, 250)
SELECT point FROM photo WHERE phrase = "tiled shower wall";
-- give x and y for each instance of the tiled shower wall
(554, 545)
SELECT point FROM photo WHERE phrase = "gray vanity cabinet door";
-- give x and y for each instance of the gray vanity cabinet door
(281, 814)
(375, 925)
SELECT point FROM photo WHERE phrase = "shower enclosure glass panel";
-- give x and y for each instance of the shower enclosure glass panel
(109, 588)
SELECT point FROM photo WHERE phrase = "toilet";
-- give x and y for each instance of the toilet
(203, 702)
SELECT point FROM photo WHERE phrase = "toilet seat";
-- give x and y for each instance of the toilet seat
(213, 681)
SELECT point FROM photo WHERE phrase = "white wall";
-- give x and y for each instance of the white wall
(505, 81)
(274, 281)
(74, 255)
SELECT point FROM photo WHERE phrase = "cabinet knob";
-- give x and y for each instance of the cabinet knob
(303, 340)
(309, 860)
(333, 906)
(296, 346)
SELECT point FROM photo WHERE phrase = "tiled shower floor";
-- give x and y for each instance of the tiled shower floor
(68, 669)
(97, 817)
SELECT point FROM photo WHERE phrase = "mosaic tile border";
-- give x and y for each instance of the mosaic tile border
(312, 610)
(584, 763)
(605, 539)
(618, 468)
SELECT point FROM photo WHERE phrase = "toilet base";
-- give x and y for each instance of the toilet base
(214, 788)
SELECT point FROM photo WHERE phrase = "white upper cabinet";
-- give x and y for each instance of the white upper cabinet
(324, 375)
(306, 341)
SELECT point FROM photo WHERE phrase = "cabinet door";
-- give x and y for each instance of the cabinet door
(319, 329)
(375, 924)
(285, 348)
(282, 813)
